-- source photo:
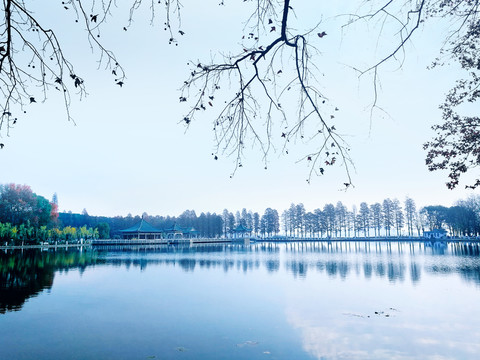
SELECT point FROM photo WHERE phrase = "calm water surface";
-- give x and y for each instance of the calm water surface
(345, 300)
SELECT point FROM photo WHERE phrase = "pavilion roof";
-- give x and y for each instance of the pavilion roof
(242, 228)
(143, 227)
(174, 228)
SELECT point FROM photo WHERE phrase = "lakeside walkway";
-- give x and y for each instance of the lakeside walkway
(46, 246)
(162, 241)
(181, 241)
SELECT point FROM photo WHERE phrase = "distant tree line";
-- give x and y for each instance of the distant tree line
(390, 218)
(207, 224)
(27, 217)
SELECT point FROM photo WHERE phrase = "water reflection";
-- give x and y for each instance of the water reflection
(414, 272)
(394, 261)
(24, 274)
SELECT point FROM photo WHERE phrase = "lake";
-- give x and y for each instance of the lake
(300, 300)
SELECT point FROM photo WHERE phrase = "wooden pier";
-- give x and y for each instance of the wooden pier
(149, 242)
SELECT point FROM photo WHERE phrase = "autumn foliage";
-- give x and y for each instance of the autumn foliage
(19, 205)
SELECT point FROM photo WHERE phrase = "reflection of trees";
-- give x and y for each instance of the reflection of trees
(343, 269)
(246, 265)
(380, 269)
(269, 248)
(297, 268)
(396, 271)
(272, 265)
(17, 285)
(227, 265)
(331, 268)
(414, 272)
(367, 269)
(187, 264)
(24, 274)
(471, 249)
(470, 273)
(440, 269)
(381, 259)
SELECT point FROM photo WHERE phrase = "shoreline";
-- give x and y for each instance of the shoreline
(226, 241)
(49, 246)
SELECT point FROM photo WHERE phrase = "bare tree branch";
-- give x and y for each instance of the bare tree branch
(250, 90)
(244, 118)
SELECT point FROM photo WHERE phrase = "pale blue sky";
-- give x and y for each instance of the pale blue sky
(129, 154)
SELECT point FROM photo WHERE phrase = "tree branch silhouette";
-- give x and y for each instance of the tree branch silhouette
(32, 58)
(243, 118)
(251, 90)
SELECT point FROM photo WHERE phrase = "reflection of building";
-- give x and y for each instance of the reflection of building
(435, 234)
(142, 230)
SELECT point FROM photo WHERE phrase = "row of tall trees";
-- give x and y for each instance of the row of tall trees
(207, 224)
(267, 224)
(389, 218)
(25, 216)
